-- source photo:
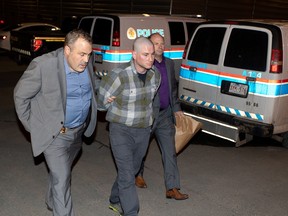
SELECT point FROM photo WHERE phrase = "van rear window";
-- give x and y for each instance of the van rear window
(206, 45)
(177, 33)
(102, 32)
(86, 24)
(247, 49)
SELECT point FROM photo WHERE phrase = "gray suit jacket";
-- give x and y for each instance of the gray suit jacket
(40, 99)
(173, 93)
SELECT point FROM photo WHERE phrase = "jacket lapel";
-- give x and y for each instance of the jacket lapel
(62, 78)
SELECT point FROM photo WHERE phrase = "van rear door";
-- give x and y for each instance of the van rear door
(245, 59)
(200, 69)
(100, 28)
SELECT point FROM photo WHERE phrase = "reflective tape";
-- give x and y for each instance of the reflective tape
(223, 109)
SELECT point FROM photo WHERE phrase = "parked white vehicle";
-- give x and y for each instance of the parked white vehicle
(5, 31)
(113, 36)
(234, 79)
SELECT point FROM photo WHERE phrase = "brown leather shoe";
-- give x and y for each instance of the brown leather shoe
(175, 194)
(139, 182)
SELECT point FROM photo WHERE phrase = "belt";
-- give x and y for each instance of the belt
(65, 129)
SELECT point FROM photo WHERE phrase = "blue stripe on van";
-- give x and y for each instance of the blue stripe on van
(121, 58)
(214, 79)
(126, 57)
(255, 116)
(173, 54)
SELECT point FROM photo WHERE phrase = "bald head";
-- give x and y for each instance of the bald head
(140, 42)
(143, 54)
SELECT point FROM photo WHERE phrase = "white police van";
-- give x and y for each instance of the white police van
(113, 36)
(234, 79)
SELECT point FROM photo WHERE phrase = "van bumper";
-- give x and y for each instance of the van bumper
(227, 126)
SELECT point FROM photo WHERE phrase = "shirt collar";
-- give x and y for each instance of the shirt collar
(163, 60)
(66, 67)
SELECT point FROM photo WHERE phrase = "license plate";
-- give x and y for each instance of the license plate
(235, 89)
(238, 89)
(98, 58)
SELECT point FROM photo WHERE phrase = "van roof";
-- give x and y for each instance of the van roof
(254, 22)
(174, 16)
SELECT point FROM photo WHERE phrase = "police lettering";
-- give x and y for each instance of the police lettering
(148, 32)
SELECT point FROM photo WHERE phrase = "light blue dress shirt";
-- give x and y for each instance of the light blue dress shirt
(78, 97)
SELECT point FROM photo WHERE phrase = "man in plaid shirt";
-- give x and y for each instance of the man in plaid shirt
(132, 88)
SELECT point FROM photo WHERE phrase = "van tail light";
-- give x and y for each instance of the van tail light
(276, 61)
(37, 44)
(185, 49)
(116, 39)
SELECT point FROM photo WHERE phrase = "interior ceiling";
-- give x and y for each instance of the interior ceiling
(56, 10)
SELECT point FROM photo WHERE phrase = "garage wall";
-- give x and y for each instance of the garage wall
(55, 11)
(272, 9)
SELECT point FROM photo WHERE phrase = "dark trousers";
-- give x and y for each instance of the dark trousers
(129, 145)
(164, 131)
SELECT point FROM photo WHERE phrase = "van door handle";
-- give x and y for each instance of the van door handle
(250, 79)
(194, 69)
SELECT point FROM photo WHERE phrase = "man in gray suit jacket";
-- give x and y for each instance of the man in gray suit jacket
(165, 106)
(55, 101)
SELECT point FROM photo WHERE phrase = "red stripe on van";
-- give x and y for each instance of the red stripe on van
(175, 49)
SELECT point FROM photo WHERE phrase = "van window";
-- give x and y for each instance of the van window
(102, 32)
(86, 24)
(206, 45)
(247, 49)
(177, 33)
(191, 27)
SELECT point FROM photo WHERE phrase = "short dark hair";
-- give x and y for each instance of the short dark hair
(73, 35)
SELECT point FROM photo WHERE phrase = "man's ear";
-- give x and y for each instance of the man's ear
(134, 54)
(66, 49)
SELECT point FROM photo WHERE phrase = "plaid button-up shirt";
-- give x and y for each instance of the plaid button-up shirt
(133, 104)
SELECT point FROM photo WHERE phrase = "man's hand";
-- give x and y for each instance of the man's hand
(179, 113)
(111, 99)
